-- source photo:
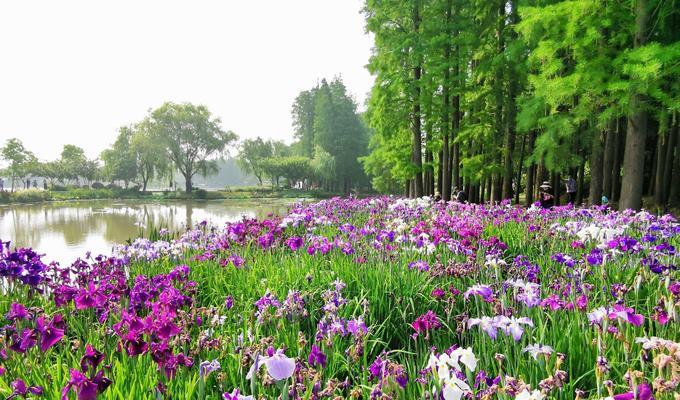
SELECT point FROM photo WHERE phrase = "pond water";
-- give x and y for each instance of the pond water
(65, 231)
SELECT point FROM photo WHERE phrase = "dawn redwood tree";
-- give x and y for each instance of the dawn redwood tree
(192, 138)
(507, 93)
(634, 155)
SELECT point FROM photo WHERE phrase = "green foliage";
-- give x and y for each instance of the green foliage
(252, 151)
(119, 161)
(19, 159)
(291, 168)
(326, 119)
(323, 166)
(147, 149)
(192, 137)
(493, 74)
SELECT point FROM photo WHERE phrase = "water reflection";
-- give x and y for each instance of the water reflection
(67, 230)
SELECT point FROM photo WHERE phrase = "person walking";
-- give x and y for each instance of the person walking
(545, 195)
(2, 185)
(571, 189)
(45, 184)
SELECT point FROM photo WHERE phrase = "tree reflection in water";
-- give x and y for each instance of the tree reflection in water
(67, 230)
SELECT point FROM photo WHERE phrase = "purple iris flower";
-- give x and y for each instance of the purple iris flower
(21, 389)
(236, 395)
(644, 392)
(86, 388)
(17, 311)
(626, 314)
(294, 243)
(27, 339)
(483, 291)
(278, 365)
(487, 324)
(91, 359)
(50, 332)
(426, 322)
(356, 326)
(317, 357)
(206, 367)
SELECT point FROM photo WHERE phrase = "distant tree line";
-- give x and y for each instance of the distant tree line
(497, 96)
(23, 166)
(330, 138)
(174, 137)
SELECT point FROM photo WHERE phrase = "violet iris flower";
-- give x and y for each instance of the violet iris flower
(644, 392)
(17, 311)
(510, 326)
(278, 365)
(483, 291)
(236, 395)
(20, 389)
(316, 357)
(86, 388)
(206, 367)
(626, 314)
(487, 324)
(50, 332)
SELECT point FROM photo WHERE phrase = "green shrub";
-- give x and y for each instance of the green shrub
(201, 194)
(30, 196)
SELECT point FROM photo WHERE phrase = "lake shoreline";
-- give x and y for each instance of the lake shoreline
(69, 229)
(37, 196)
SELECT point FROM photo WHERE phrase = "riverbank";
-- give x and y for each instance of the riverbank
(39, 195)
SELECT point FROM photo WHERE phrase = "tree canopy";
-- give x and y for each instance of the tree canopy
(495, 97)
(192, 137)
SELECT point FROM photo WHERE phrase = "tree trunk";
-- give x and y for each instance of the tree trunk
(455, 149)
(417, 157)
(557, 187)
(655, 157)
(670, 154)
(634, 155)
(596, 169)
(608, 162)
(518, 180)
(499, 95)
(511, 114)
(188, 187)
(674, 194)
(581, 184)
(616, 170)
(445, 164)
(440, 173)
(429, 169)
(531, 173)
(661, 150)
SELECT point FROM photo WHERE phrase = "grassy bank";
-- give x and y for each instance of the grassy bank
(37, 195)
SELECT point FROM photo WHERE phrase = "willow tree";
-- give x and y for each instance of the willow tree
(193, 138)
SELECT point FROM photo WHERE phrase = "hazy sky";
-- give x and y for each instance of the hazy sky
(75, 71)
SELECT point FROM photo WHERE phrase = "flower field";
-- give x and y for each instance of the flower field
(377, 298)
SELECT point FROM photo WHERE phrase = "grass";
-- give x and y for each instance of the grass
(39, 195)
(388, 294)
